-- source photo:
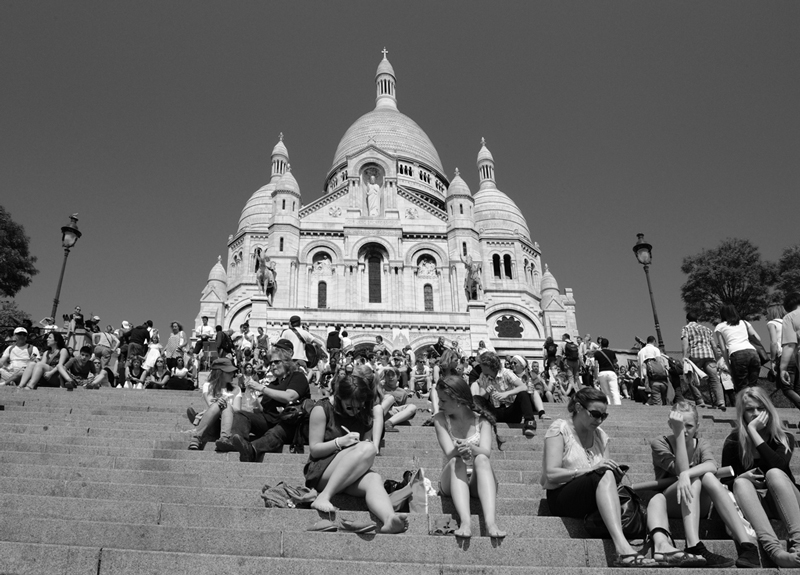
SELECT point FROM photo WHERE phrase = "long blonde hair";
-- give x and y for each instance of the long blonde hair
(774, 427)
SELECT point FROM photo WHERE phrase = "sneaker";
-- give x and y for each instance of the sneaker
(712, 559)
(529, 428)
(748, 556)
(224, 446)
(247, 453)
(195, 444)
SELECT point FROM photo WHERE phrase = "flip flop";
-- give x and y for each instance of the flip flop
(355, 526)
(637, 560)
(323, 526)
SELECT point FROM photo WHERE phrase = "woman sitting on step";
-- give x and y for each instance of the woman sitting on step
(222, 398)
(341, 453)
(51, 369)
(760, 452)
(689, 459)
(465, 428)
(580, 477)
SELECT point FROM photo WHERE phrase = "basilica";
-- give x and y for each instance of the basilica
(394, 246)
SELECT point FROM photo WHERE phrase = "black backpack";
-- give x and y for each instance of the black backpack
(570, 351)
(227, 342)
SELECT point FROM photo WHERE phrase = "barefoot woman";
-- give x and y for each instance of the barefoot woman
(341, 458)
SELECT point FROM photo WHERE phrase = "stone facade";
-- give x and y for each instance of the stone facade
(383, 250)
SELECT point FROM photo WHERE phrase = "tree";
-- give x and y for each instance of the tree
(788, 272)
(16, 263)
(732, 273)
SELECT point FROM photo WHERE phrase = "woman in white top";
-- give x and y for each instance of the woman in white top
(579, 475)
(222, 398)
(775, 314)
(732, 336)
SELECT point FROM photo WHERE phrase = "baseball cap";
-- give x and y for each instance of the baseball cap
(126, 325)
(20, 330)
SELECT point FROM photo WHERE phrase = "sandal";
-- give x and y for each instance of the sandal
(676, 558)
(323, 526)
(355, 526)
(636, 560)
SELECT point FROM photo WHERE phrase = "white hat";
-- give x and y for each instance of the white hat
(126, 325)
(20, 330)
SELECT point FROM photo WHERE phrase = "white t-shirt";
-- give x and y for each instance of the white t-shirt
(734, 336)
(649, 351)
(299, 348)
(18, 357)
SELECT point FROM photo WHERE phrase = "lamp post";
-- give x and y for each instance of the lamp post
(69, 235)
(644, 255)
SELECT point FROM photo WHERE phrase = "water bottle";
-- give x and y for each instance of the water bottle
(490, 389)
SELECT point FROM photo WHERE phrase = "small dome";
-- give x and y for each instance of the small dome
(385, 67)
(287, 183)
(458, 187)
(484, 153)
(280, 148)
(497, 214)
(258, 209)
(548, 280)
(218, 272)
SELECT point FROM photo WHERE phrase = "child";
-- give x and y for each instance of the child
(154, 351)
(464, 428)
(727, 382)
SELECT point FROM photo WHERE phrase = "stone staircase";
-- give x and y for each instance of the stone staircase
(101, 482)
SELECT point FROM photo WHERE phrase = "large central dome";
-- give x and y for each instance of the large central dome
(387, 128)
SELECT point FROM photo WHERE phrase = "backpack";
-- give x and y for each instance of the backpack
(227, 342)
(570, 351)
(656, 370)
(309, 348)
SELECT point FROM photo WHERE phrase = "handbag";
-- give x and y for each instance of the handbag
(763, 356)
(633, 512)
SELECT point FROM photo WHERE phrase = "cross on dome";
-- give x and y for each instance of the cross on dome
(384, 52)
(457, 173)
(483, 141)
(280, 137)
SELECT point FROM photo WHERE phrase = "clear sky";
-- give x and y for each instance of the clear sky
(155, 122)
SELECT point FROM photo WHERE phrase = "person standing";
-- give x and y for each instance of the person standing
(656, 377)
(299, 338)
(733, 337)
(104, 344)
(697, 343)
(204, 333)
(572, 361)
(605, 361)
(790, 334)
(176, 345)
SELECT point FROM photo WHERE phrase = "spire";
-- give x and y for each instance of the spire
(485, 167)
(385, 82)
(280, 158)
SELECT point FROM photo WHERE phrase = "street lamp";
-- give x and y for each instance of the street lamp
(69, 236)
(644, 255)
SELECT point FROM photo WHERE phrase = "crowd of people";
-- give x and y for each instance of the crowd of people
(258, 399)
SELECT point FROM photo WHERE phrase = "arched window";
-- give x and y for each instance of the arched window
(322, 295)
(256, 257)
(461, 208)
(280, 245)
(428, 293)
(374, 278)
(293, 204)
(507, 266)
(283, 204)
(464, 248)
(496, 266)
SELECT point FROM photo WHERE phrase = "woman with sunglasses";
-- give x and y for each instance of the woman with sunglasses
(158, 378)
(683, 455)
(579, 475)
(760, 452)
(223, 398)
(342, 454)
(464, 428)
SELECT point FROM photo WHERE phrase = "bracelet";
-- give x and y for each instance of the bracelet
(336, 443)
(575, 473)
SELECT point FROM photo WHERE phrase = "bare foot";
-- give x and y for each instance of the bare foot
(323, 504)
(495, 532)
(464, 530)
(397, 523)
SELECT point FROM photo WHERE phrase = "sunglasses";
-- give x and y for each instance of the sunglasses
(595, 413)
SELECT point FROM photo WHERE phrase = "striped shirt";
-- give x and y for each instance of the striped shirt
(699, 339)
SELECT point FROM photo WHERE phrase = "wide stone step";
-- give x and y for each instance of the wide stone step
(36, 559)
(271, 542)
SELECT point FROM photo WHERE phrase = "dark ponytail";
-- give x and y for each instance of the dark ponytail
(457, 388)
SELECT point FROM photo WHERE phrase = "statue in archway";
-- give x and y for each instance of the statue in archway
(472, 282)
(373, 197)
(266, 277)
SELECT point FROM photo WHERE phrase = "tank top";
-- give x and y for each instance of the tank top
(474, 439)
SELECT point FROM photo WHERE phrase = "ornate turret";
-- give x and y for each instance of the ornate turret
(385, 83)
(485, 167)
